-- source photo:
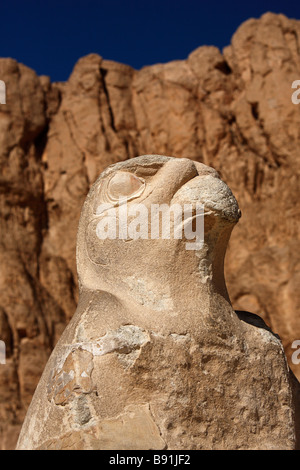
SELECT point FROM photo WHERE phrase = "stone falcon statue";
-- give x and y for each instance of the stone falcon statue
(155, 357)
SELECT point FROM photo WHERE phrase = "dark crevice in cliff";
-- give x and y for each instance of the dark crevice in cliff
(40, 205)
(223, 67)
(103, 73)
(254, 111)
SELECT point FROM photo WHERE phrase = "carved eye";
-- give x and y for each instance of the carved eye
(124, 185)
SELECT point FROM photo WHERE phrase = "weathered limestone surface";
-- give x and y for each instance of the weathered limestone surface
(155, 357)
(229, 110)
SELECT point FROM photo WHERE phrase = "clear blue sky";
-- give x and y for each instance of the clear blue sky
(50, 36)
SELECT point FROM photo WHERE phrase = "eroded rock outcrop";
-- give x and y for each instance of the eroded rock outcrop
(232, 111)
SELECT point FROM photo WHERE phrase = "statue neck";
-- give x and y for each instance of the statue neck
(188, 290)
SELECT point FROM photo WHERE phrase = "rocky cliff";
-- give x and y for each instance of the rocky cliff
(232, 111)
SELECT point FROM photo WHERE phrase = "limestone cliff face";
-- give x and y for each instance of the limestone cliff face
(232, 111)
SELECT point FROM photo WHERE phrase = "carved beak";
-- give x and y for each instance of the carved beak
(213, 194)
